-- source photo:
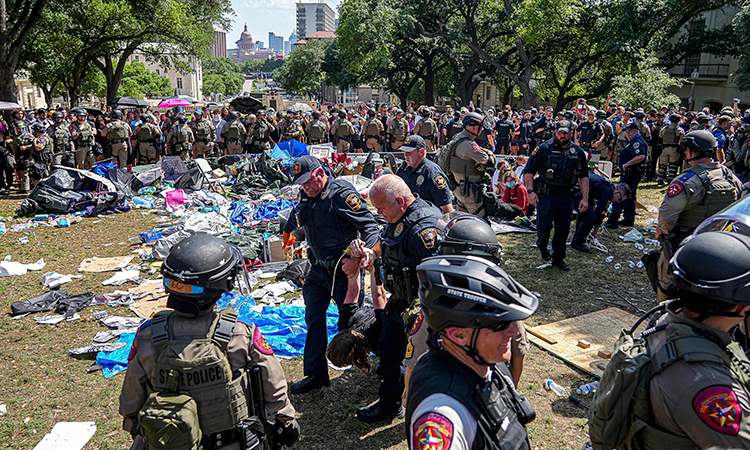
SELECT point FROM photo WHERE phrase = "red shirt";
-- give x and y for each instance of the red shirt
(518, 196)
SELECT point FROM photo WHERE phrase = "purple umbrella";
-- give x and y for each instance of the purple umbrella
(173, 102)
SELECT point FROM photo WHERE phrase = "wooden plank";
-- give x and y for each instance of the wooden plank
(541, 336)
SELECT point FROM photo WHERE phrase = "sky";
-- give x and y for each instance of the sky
(263, 16)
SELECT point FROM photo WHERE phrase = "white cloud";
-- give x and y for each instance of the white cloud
(269, 4)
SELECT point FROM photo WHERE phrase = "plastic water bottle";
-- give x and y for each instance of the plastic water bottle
(618, 266)
(631, 264)
(639, 265)
(2, 228)
(609, 259)
(639, 246)
(556, 388)
(63, 223)
(587, 389)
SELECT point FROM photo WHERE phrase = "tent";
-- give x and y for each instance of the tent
(288, 151)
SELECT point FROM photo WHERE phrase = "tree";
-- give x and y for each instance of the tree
(219, 65)
(303, 71)
(742, 32)
(648, 87)
(137, 81)
(17, 20)
(221, 76)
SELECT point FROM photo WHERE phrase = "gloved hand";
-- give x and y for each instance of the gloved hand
(286, 435)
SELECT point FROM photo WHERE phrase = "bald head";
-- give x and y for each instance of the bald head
(391, 196)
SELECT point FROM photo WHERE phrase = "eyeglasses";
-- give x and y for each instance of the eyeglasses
(502, 326)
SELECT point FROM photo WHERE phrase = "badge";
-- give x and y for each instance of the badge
(324, 195)
(534, 152)
(432, 431)
(417, 324)
(261, 344)
(409, 350)
(353, 202)
(730, 228)
(296, 168)
(420, 180)
(674, 188)
(428, 236)
(572, 151)
(440, 182)
(719, 408)
(636, 145)
(399, 229)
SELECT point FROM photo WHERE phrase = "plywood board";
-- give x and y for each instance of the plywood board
(601, 329)
(104, 264)
(147, 308)
(155, 289)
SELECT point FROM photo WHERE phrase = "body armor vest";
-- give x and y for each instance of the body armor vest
(202, 130)
(317, 129)
(342, 128)
(428, 128)
(720, 193)
(399, 128)
(85, 133)
(670, 136)
(260, 130)
(559, 170)
(120, 130)
(466, 167)
(146, 133)
(234, 130)
(60, 138)
(371, 127)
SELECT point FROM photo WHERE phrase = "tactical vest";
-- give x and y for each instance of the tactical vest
(120, 130)
(503, 129)
(201, 369)
(670, 136)
(427, 129)
(234, 130)
(294, 128)
(498, 424)
(60, 138)
(371, 128)
(146, 133)
(613, 423)
(85, 133)
(559, 170)
(202, 130)
(342, 128)
(317, 129)
(720, 193)
(260, 130)
(399, 129)
(183, 134)
(399, 265)
(466, 167)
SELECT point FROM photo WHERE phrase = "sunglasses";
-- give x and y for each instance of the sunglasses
(501, 326)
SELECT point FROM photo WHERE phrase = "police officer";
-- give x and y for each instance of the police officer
(424, 177)
(261, 131)
(525, 134)
(590, 133)
(410, 237)
(205, 133)
(233, 133)
(373, 131)
(468, 162)
(558, 162)
(740, 142)
(60, 135)
(427, 128)
(342, 130)
(671, 135)
(196, 272)
(180, 138)
(317, 130)
(504, 131)
(117, 133)
(82, 133)
(333, 214)
(398, 129)
(721, 132)
(699, 391)
(22, 144)
(705, 189)
(603, 148)
(631, 164)
(147, 133)
(461, 395)
(455, 126)
(601, 193)
(291, 127)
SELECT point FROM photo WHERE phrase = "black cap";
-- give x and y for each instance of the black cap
(563, 125)
(639, 115)
(303, 167)
(631, 126)
(413, 142)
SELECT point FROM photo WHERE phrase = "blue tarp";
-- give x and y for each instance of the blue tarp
(116, 361)
(270, 210)
(289, 150)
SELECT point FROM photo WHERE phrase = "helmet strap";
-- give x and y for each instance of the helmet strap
(471, 350)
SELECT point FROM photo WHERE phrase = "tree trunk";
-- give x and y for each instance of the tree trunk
(47, 91)
(8, 91)
(12, 37)
(507, 94)
(429, 81)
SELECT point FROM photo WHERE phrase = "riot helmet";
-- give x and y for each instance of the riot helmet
(316, 115)
(198, 270)
(57, 115)
(144, 118)
(177, 109)
(117, 114)
(601, 114)
(38, 128)
(342, 114)
(198, 112)
(232, 116)
(425, 112)
(181, 118)
(472, 119)
(399, 111)
(251, 117)
(371, 113)
(701, 142)
(466, 234)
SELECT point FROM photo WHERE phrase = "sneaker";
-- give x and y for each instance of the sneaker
(611, 226)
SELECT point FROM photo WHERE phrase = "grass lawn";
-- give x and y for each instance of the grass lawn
(41, 385)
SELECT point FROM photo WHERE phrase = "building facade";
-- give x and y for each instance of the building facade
(312, 17)
(219, 48)
(275, 43)
(30, 96)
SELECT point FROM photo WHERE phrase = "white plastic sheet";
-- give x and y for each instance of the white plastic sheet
(13, 268)
(67, 436)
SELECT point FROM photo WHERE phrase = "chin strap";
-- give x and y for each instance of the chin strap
(471, 350)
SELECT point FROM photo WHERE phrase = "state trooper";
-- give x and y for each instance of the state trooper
(180, 138)
(631, 162)
(333, 214)
(468, 163)
(317, 130)
(146, 134)
(205, 133)
(504, 131)
(671, 135)
(261, 132)
(559, 163)
(705, 189)
(601, 192)
(290, 127)
(341, 132)
(427, 128)
(219, 357)
(82, 133)
(117, 133)
(609, 134)
(461, 394)
(697, 390)
(398, 129)
(424, 177)
(233, 133)
(41, 153)
(22, 144)
(60, 136)
(410, 236)
(373, 131)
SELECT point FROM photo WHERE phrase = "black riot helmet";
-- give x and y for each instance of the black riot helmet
(472, 119)
(342, 114)
(117, 114)
(316, 115)
(181, 118)
(198, 270)
(57, 115)
(601, 114)
(470, 292)
(371, 112)
(232, 115)
(38, 128)
(144, 118)
(701, 142)
(466, 234)
(425, 112)
(712, 270)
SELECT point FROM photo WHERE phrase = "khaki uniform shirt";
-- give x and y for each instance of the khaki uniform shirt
(702, 401)
(683, 193)
(398, 128)
(246, 348)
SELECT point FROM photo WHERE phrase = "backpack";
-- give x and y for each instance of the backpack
(446, 153)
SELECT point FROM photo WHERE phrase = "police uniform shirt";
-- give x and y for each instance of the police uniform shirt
(246, 348)
(454, 127)
(504, 128)
(469, 149)
(428, 181)
(600, 191)
(684, 192)
(417, 242)
(590, 132)
(525, 133)
(636, 147)
(700, 400)
(544, 152)
(329, 235)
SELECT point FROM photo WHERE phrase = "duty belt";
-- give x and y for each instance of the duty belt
(220, 440)
(204, 141)
(83, 143)
(233, 141)
(117, 141)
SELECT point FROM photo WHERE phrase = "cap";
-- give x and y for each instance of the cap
(631, 126)
(303, 167)
(563, 125)
(639, 115)
(413, 142)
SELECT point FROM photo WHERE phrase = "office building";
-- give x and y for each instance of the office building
(313, 17)
(275, 43)
(219, 47)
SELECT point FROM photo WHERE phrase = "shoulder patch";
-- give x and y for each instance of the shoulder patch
(534, 152)
(353, 202)
(432, 431)
(675, 188)
(261, 344)
(409, 350)
(636, 145)
(718, 407)
(428, 236)
(325, 194)
(476, 147)
(685, 176)
(440, 182)
(296, 168)
(417, 323)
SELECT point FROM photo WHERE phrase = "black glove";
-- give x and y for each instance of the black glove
(286, 435)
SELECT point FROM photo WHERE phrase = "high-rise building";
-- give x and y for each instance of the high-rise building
(260, 45)
(219, 47)
(312, 17)
(288, 44)
(275, 42)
